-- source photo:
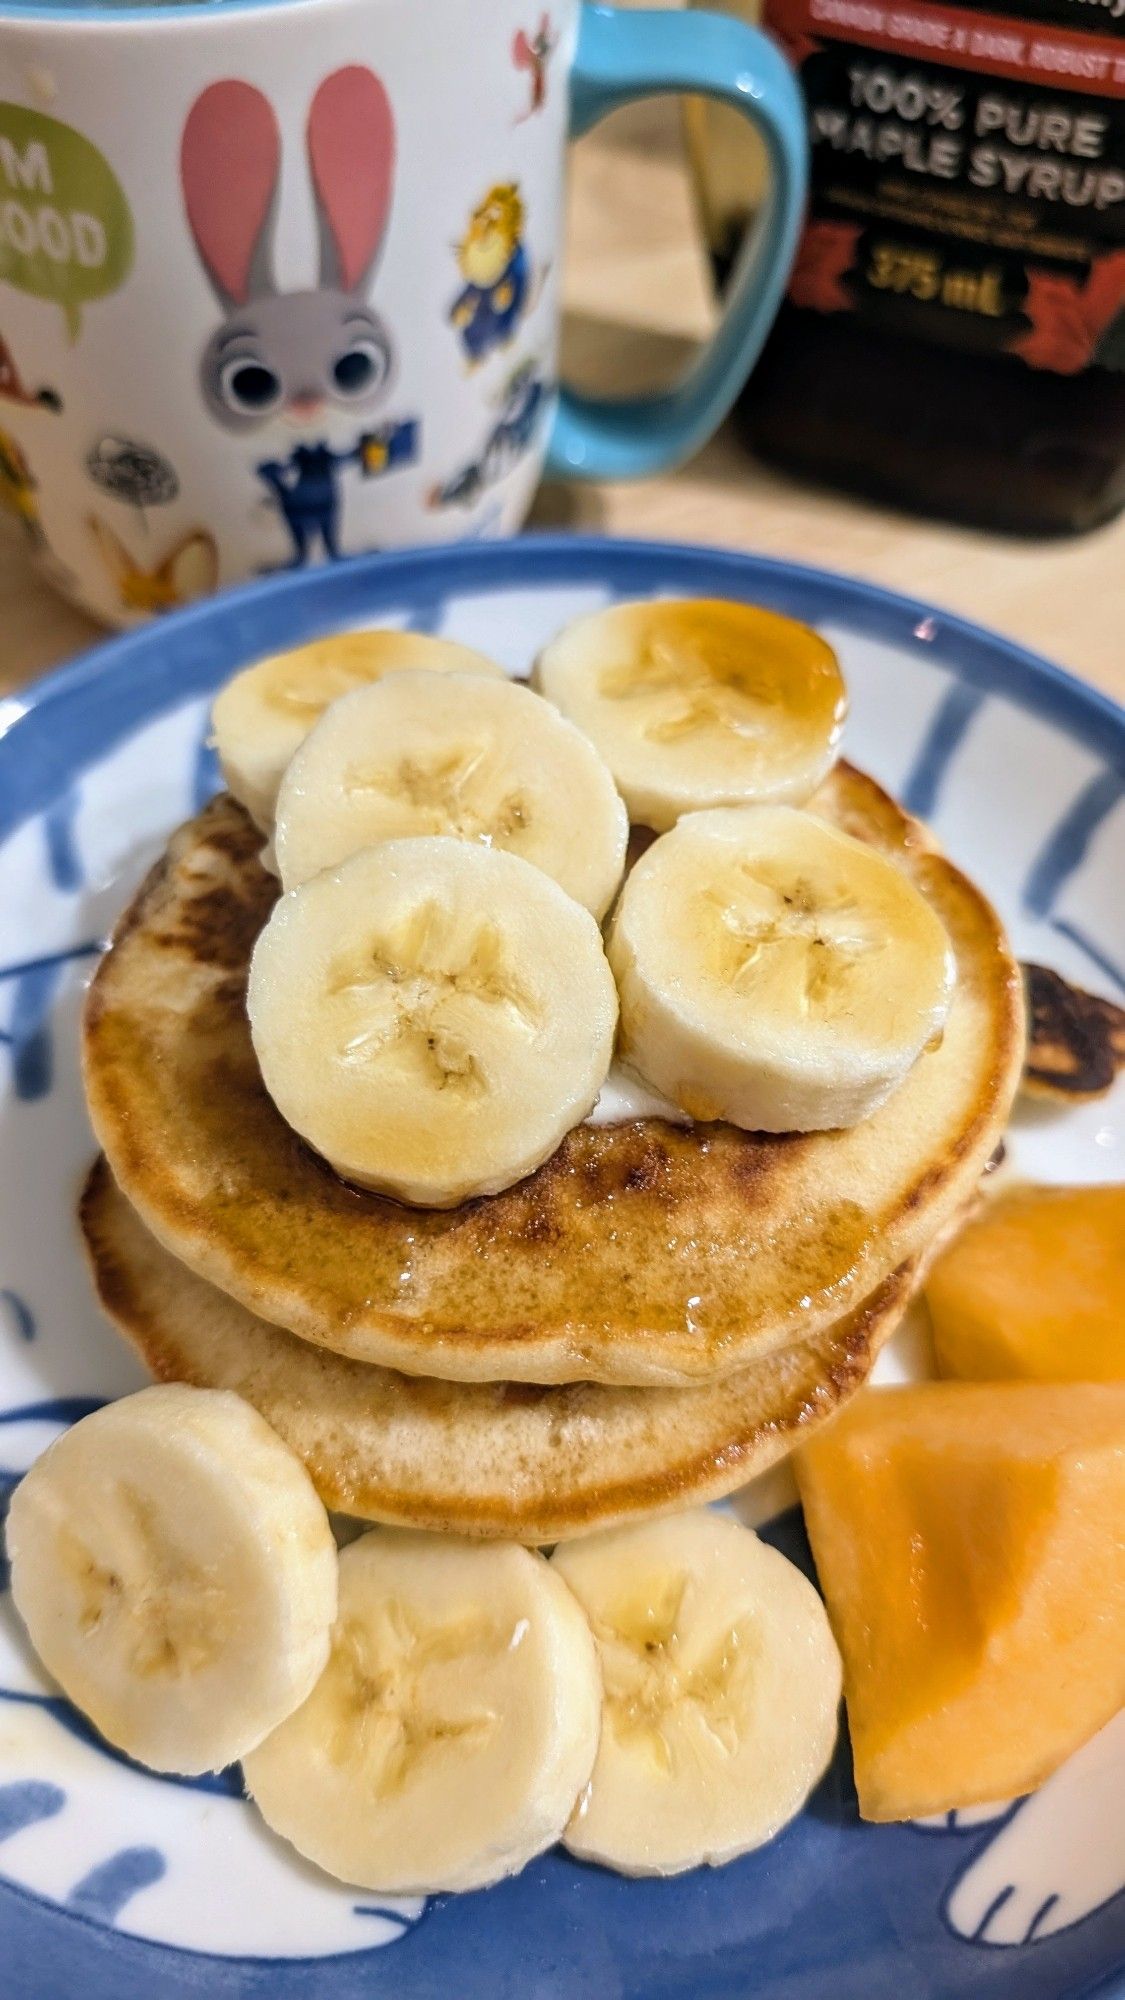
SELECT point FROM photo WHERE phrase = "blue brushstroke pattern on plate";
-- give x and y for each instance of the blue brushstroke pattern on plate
(115, 1882)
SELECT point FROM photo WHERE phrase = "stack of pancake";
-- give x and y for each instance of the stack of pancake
(655, 1316)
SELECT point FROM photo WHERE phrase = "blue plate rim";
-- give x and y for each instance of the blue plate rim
(972, 651)
(578, 550)
(976, 653)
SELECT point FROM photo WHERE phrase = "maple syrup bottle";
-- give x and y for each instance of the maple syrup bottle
(954, 334)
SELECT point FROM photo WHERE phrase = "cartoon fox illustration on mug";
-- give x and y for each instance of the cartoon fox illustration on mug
(297, 356)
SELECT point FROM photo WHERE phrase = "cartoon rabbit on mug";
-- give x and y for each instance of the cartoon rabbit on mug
(298, 356)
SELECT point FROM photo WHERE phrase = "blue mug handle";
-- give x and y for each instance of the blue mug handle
(625, 54)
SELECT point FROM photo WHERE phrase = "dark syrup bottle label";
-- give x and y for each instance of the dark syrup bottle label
(968, 173)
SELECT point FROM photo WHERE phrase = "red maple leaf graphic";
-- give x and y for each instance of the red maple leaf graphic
(826, 255)
(1068, 316)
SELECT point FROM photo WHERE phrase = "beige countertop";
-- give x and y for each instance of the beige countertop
(639, 295)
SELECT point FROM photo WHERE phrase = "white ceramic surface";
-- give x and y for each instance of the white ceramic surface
(1021, 776)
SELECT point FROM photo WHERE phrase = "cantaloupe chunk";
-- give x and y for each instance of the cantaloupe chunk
(1035, 1287)
(970, 1543)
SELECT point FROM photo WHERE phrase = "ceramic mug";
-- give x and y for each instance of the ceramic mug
(280, 282)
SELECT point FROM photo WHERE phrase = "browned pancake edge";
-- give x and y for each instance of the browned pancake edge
(500, 1459)
(641, 1253)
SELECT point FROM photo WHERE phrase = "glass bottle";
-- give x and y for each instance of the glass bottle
(954, 335)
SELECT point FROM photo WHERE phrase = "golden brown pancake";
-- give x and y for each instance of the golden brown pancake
(639, 1253)
(494, 1458)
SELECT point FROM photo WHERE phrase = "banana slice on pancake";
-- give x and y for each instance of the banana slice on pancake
(176, 1574)
(774, 971)
(453, 1728)
(263, 715)
(423, 753)
(591, 1269)
(432, 1017)
(722, 1685)
(699, 702)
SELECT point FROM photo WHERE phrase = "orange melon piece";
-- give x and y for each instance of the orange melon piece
(1035, 1287)
(970, 1543)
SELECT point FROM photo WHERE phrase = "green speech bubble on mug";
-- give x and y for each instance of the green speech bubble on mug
(66, 233)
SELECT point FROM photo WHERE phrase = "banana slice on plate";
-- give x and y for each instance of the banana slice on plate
(176, 1574)
(432, 1017)
(449, 753)
(722, 1685)
(699, 702)
(774, 971)
(262, 716)
(457, 1720)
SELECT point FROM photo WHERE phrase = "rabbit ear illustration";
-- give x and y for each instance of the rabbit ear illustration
(351, 142)
(230, 157)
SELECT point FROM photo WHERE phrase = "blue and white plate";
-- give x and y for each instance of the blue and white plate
(114, 1883)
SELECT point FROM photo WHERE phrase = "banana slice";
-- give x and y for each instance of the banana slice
(454, 1726)
(722, 1684)
(449, 753)
(176, 1574)
(432, 1017)
(774, 971)
(262, 716)
(699, 702)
